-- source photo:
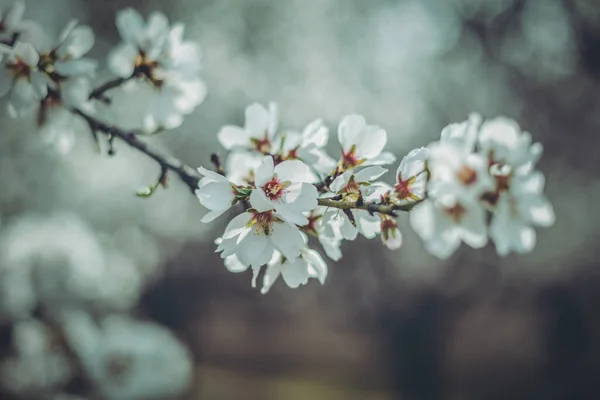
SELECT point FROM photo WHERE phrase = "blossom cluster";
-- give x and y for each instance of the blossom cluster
(477, 182)
(289, 188)
(53, 76)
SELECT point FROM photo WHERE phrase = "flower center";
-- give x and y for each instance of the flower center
(402, 188)
(467, 176)
(455, 212)
(311, 227)
(263, 221)
(20, 69)
(262, 145)
(349, 159)
(274, 189)
(145, 67)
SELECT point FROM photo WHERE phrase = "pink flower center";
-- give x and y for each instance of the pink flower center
(274, 189)
(349, 159)
(402, 188)
(467, 176)
(455, 212)
(264, 221)
(20, 69)
(262, 145)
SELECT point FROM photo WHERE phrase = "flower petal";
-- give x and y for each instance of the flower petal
(121, 60)
(260, 202)
(264, 172)
(287, 239)
(293, 171)
(350, 130)
(257, 120)
(232, 137)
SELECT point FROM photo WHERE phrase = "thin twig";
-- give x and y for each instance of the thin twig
(387, 209)
(186, 173)
(99, 92)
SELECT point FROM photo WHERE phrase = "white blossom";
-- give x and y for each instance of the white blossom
(519, 207)
(240, 167)
(450, 215)
(362, 144)
(13, 27)
(253, 236)
(281, 188)
(328, 232)
(411, 177)
(296, 272)
(390, 234)
(258, 132)
(307, 146)
(19, 76)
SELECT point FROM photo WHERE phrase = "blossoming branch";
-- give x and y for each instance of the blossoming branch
(477, 182)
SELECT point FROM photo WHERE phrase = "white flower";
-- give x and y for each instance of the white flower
(216, 193)
(462, 134)
(281, 188)
(362, 144)
(353, 186)
(452, 159)
(128, 359)
(411, 177)
(240, 167)
(502, 142)
(327, 232)
(65, 58)
(160, 55)
(21, 77)
(142, 45)
(253, 236)
(390, 234)
(296, 272)
(13, 27)
(307, 146)
(258, 132)
(448, 216)
(516, 210)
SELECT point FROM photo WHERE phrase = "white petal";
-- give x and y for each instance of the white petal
(39, 84)
(340, 182)
(316, 133)
(215, 195)
(260, 202)
(369, 174)
(79, 41)
(251, 247)
(422, 219)
(292, 171)
(295, 273)
(287, 239)
(121, 60)
(350, 130)
(271, 274)
(384, 158)
(130, 25)
(6, 81)
(317, 266)
(26, 53)
(237, 225)
(369, 225)
(394, 240)
(212, 175)
(413, 164)
(372, 143)
(474, 228)
(212, 215)
(233, 264)
(331, 247)
(14, 15)
(81, 67)
(257, 120)
(264, 172)
(302, 197)
(232, 137)
(539, 210)
(22, 96)
(273, 119)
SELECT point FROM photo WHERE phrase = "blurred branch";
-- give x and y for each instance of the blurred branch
(387, 209)
(99, 92)
(187, 174)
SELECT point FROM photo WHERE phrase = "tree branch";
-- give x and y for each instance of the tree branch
(387, 209)
(187, 174)
(99, 92)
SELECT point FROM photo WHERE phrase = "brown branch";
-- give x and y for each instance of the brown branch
(186, 173)
(191, 177)
(387, 209)
(99, 92)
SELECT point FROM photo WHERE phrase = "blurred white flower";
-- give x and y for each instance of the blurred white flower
(390, 234)
(502, 142)
(296, 272)
(307, 146)
(253, 236)
(519, 206)
(448, 216)
(411, 177)
(19, 76)
(329, 235)
(258, 132)
(128, 359)
(362, 144)
(37, 365)
(66, 57)
(462, 135)
(240, 167)
(159, 54)
(13, 27)
(283, 188)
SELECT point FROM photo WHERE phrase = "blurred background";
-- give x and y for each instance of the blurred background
(105, 295)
